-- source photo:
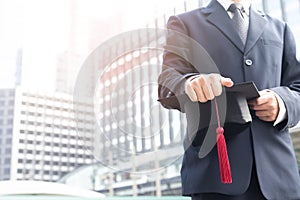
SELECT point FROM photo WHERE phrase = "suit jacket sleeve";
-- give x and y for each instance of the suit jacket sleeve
(176, 68)
(289, 90)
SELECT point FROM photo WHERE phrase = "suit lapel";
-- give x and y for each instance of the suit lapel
(256, 27)
(217, 16)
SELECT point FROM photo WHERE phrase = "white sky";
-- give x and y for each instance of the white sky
(42, 29)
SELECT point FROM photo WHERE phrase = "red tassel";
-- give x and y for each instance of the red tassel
(225, 171)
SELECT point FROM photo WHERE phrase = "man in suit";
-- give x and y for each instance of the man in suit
(262, 158)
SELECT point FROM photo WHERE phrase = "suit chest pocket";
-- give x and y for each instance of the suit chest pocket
(267, 56)
(273, 43)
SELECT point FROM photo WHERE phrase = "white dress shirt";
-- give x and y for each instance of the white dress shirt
(226, 4)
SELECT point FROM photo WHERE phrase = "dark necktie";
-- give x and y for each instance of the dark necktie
(239, 20)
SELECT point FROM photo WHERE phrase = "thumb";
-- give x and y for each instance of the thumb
(227, 82)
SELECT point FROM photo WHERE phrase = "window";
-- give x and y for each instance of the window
(10, 112)
(7, 161)
(8, 150)
(11, 102)
(47, 162)
(6, 171)
(8, 141)
(11, 93)
(2, 93)
(10, 121)
(9, 131)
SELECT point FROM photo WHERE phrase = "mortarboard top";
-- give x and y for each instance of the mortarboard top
(247, 89)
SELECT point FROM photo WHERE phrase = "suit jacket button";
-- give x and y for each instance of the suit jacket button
(248, 62)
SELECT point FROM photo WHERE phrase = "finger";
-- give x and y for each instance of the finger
(266, 115)
(197, 88)
(191, 93)
(216, 86)
(200, 95)
(208, 83)
(227, 82)
(267, 119)
(263, 99)
(207, 91)
(262, 113)
(203, 92)
(259, 101)
(264, 92)
(260, 107)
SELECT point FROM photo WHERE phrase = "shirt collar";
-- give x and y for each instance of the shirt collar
(226, 3)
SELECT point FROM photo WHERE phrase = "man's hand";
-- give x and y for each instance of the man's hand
(206, 87)
(266, 106)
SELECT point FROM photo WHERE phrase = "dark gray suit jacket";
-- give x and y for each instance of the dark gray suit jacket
(268, 60)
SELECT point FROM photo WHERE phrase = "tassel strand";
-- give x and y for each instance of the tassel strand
(224, 164)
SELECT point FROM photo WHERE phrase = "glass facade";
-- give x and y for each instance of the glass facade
(7, 97)
(40, 137)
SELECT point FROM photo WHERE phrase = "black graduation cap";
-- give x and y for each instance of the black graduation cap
(229, 111)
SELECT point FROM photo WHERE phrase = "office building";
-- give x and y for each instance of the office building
(7, 101)
(43, 137)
